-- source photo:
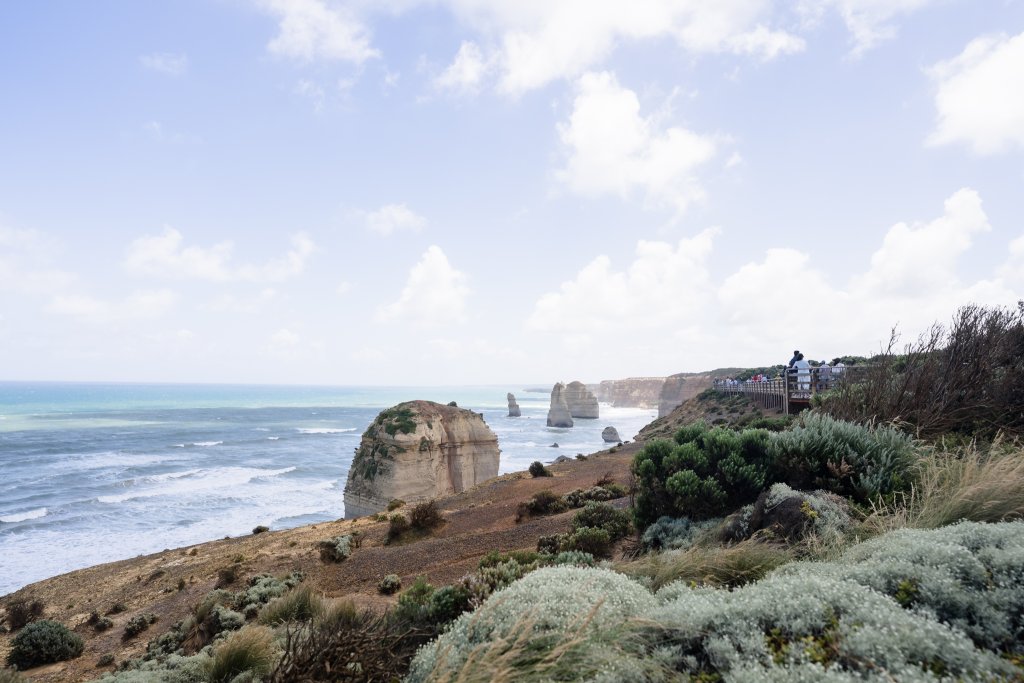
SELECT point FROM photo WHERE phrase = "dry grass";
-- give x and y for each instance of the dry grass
(714, 566)
(251, 649)
(971, 484)
(299, 604)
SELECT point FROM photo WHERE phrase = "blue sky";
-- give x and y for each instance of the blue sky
(485, 191)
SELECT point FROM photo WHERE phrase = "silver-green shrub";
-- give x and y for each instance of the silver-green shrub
(669, 533)
(337, 549)
(556, 600)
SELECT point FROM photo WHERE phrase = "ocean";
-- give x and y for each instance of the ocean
(93, 473)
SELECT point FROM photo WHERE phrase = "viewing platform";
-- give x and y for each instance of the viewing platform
(793, 391)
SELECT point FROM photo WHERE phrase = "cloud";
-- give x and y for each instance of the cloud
(870, 22)
(165, 255)
(166, 63)
(318, 30)
(434, 294)
(467, 71)
(671, 311)
(140, 305)
(26, 263)
(394, 217)
(612, 149)
(284, 339)
(980, 96)
(311, 91)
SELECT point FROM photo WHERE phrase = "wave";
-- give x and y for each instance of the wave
(197, 482)
(198, 444)
(260, 429)
(273, 438)
(324, 430)
(23, 516)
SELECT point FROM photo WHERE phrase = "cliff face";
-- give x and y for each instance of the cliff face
(417, 451)
(680, 388)
(513, 407)
(633, 392)
(558, 413)
(581, 402)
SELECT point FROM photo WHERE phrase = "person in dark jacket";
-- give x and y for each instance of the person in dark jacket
(795, 358)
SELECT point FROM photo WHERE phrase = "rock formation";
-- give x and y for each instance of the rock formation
(610, 434)
(558, 413)
(679, 388)
(417, 451)
(633, 392)
(513, 407)
(582, 403)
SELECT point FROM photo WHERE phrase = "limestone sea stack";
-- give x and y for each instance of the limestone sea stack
(417, 451)
(513, 407)
(558, 413)
(610, 435)
(582, 403)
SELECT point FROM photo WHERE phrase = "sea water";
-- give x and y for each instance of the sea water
(91, 473)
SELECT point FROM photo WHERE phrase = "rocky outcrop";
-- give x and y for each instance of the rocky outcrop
(610, 434)
(417, 451)
(558, 413)
(582, 403)
(679, 388)
(513, 407)
(633, 392)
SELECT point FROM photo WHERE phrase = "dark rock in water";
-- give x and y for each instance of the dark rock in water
(513, 407)
(554, 445)
(561, 459)
(610, 434)
(558, 413)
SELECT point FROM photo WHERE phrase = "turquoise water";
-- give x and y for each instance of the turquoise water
(99, 472)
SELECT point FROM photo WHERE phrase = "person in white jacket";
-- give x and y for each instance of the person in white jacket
(803, 374)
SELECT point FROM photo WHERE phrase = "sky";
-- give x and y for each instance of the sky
(447, 192)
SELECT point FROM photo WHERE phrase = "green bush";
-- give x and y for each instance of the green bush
(390, 584)
(704, 473)
(137, 624)
(821, 452)
(337, 549)
(542, 503)
(603, 516)
(397, 526)
(597, 542)
(537, 469)
(43, 642)
(394, 504)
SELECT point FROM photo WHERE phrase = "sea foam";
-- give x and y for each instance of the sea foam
(324, 430)
(23, 516)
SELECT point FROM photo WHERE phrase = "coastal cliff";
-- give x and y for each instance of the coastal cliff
(632, 392)
(680, 388)
(417, 451)
(581, 403)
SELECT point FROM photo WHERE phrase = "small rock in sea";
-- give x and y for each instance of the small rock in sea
(561, 459)
(554, 445)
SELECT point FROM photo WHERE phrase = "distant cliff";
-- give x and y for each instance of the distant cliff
(679, 388)
(416, 451)
(633, 392)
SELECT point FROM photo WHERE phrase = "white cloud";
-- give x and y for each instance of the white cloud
(612, 149)
(394, 217)
(317, 29)
(980, 95)
(311, 91)
(467, 71)
(165, 62)
(870, 22)
(26, 263)
(670, 311)
(284, 339)
(434, 294)
(165, 255)
(140, 305)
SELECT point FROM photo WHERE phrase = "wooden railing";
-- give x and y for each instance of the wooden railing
(794, 389)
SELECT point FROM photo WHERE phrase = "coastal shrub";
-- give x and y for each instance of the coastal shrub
(226, 576)
(425, 606)
(250, 650)
(336, 549)
(727, 566)
(580, 497)
(118, 607)
(397, 419)
(821, 452)
(43, 642)
(172, 669)
(603, 516)
(349, 645)
(596, 541)
(541, 503)
(138, 624)
(99, 623)
(394, 504)
(785, 514)
(558, 600)
(966, 484)
(704, 472)
(104, 660)
(397, 526)
(300, 604)
(537, 469)
(390, 584)
(261, 529)
(425, 516)
(671, 533)
(21, 611)
(263, 588)
(966, 377)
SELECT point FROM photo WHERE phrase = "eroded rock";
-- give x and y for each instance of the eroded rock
(610, 434)
(513, 407)
(558, 413)
(581, 401)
